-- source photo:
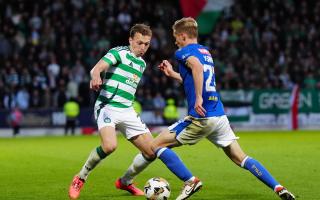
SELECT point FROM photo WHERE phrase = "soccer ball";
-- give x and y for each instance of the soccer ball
(157, 189)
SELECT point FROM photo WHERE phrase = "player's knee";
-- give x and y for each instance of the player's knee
(149, 155)
(154, 147)
(147, 152)
(109, 147)
(238, 159)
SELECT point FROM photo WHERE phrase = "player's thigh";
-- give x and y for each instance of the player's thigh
(108, 139)
(221, 134)
(190, 130)
(166, 138)
(143, 142)
(234, 152)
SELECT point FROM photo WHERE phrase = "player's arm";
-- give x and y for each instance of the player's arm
(96, 81)
(197, 73)
(166, 67)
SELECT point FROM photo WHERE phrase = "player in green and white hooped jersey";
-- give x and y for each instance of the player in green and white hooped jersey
(122, 68)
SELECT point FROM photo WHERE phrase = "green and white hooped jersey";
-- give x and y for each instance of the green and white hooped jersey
(122, 77)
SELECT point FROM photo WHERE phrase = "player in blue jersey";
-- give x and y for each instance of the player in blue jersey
(206, 117)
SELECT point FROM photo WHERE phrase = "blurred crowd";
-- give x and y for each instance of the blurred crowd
(47, 48)
(268, 44)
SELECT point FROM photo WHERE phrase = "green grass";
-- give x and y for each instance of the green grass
(42, 167)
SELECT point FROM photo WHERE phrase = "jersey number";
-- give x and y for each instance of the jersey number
(210, 82)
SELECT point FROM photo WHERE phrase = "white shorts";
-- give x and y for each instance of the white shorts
(126, 120)
(191, 130)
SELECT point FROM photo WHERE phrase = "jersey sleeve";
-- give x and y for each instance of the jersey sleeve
(112, 57)
(182, 55)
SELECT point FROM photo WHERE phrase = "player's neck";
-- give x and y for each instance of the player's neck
(191, 41)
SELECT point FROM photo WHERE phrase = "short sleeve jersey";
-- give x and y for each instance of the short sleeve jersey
(122, 77)
(211, 99)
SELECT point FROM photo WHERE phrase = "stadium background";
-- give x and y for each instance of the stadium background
(261, 49)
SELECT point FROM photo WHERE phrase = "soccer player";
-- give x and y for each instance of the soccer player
(206, 117)
(122, 68)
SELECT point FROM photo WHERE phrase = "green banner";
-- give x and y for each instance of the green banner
(278, 101)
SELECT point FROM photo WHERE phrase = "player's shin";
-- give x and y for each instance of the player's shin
(94, 158)
(138, 165)
(260, 172)
(174, 163)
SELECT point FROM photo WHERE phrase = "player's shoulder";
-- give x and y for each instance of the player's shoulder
(183, 53)
(120, 48)
(192, 49)
(198, 48)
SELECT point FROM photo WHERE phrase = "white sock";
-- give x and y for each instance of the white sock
(138, 165)
(191, 179)
(90, 164)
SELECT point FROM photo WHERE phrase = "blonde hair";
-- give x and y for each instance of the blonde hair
(186, 25)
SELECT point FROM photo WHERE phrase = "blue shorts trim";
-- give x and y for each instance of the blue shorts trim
(180, 126)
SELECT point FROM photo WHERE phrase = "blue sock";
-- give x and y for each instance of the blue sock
(173, 162)
(260, 172)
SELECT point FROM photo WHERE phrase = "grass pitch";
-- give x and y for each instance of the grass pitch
(42, 167)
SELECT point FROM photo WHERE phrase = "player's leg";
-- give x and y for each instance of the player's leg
(160, 146)
(235, 153)
(138, 134)
(224, 137)
(108, 145)
(140, 162)
(106, 121)
(169, 138)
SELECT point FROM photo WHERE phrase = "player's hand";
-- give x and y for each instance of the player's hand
(166, 67)
(95, 83)
(198, 107)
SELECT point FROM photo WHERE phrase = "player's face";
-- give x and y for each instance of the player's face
(179, 39)
(139, 44)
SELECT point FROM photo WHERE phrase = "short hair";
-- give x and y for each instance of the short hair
(140, 28)
(186, 25)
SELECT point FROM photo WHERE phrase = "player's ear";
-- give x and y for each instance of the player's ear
(184, 37)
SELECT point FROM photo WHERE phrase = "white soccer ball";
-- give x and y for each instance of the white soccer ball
(157, 189)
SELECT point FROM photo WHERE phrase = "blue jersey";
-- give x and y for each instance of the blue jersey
(211, 99)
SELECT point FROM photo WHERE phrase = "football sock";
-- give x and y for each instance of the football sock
(259, 171)
(94, 158)
(191, 179)
(174, 163)
(138, 165)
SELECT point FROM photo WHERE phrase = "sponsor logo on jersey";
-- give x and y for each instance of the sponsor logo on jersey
(133, 81)
(213, 98)
(204, 51)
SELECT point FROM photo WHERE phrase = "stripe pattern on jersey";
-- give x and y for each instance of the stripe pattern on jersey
(122, 77)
